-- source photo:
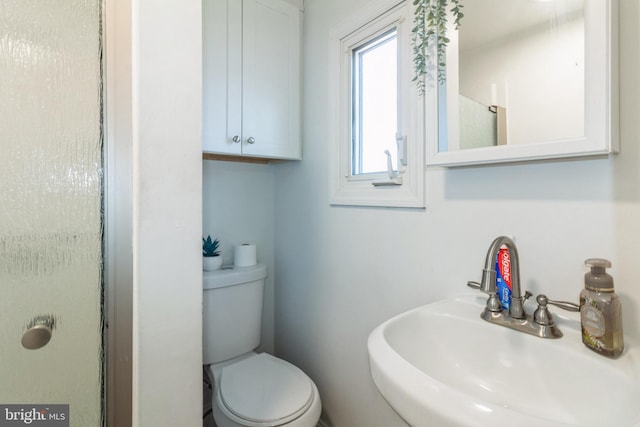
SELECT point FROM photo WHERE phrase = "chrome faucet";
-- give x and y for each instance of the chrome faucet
(488, 284)
(541, 323)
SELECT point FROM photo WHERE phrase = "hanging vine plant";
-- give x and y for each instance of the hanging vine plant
(429, 38)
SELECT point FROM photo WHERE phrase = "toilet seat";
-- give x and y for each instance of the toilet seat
(264, 390)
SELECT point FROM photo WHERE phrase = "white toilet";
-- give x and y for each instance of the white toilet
(249, 389)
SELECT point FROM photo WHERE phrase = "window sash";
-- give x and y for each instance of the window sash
(361, 113)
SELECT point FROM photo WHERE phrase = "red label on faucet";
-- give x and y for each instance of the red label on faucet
(503, 277)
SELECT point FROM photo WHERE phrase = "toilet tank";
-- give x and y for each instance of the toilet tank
(232, 312)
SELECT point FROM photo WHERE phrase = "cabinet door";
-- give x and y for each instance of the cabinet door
(222, 76)
(271, 79)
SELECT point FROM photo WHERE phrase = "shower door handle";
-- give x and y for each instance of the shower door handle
(38, 332)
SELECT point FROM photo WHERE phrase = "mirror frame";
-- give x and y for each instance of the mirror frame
(601, 103)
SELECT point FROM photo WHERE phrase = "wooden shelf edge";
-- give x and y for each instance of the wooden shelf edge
(240, 159)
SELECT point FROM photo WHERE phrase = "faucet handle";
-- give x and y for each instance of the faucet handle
(565, 305)
(487, 284)
(493, 302)
(542, 316)
(482, 286)
(473, 284)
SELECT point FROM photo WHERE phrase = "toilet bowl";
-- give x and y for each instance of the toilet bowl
(249, 389)
(260, 390)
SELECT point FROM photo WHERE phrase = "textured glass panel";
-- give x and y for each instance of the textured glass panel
(50, 203)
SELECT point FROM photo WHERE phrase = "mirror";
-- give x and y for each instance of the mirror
(527, 80)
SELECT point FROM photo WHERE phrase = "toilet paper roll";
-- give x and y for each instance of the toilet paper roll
(244, 255)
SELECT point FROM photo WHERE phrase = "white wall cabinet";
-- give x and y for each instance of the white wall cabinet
(251, 78)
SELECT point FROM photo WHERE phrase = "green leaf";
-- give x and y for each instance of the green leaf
(430, 35)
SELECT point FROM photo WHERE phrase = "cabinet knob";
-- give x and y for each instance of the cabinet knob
(236, 139)
(251, 140)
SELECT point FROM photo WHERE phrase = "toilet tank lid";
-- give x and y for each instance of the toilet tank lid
(233, 276)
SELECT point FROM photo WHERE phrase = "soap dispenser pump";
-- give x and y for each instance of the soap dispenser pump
(600, 311)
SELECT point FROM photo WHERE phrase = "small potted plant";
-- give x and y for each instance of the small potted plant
(211, 259)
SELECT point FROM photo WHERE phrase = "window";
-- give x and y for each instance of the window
(375, 103)
(377, 148)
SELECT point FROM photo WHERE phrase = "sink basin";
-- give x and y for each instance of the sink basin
(441, 365)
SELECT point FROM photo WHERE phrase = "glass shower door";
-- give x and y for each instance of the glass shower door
(51, 225)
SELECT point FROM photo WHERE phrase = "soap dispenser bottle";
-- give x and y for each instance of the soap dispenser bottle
(600, 311)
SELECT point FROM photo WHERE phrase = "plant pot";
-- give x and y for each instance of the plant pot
(210, 263)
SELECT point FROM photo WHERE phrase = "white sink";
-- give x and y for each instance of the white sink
(441, 365)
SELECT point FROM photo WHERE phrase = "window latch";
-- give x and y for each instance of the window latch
(394, 176)
(401, 142)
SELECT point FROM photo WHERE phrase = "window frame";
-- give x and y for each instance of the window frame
(366, 25)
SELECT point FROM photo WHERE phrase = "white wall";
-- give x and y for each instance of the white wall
(167, 204)
(341, 271)
(238, 207)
